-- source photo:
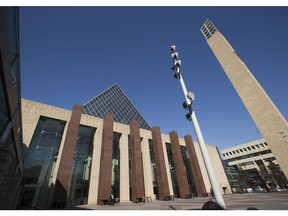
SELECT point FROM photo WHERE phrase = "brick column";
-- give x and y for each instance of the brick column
(66, 163)
(136, 162)
(179, 165)
(194, 164)
(105, 175)
(161, 174)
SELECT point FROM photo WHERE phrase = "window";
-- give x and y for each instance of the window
(241, 150)
(40, 161)
(237, 151)
(188, 170)
(253, 147)
(79, 185)
(249, 148)
(153, 168)
(172, 170)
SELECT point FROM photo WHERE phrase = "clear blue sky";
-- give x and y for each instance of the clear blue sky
(71, 54)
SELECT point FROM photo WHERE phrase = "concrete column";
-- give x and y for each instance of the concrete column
(105, 176)
(194, 164)
(179, 165)
(136, 162)
(147, 171)
(66, 163)
(124, 168)
(161, 173)
(95, 169)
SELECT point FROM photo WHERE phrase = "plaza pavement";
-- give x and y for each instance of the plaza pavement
(261, 201)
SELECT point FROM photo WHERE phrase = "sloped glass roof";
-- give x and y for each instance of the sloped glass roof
(113, 100)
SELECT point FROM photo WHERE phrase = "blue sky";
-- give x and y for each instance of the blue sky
(71, 54)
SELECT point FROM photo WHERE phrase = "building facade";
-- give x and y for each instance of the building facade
(258, 162)
(270, 122)
(74, 158)
(11, 148)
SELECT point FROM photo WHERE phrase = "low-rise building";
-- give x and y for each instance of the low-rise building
(256, 161)
(74, 158)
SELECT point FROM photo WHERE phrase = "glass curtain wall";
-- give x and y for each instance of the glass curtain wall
(172, 170)
(11, 143)
(115, 184)
(79, 186)
(40, 162)
(188, 170)
(153, 168)
(130, 169)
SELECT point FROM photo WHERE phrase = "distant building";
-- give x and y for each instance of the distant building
(232, 176)
(11, 147)
(270, 122)
(255, 159)
(74, 158)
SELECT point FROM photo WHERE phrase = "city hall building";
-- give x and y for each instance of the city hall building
(75, 157)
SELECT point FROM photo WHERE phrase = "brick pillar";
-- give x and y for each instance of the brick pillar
(194, 164)
(179, 165)
(66, 163)
(136, 162)
(161, 174)
(105, 175)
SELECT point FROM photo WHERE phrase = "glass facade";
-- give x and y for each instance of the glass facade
(188, 170)
(130, 169)
(115, 184)
(172, 170)
(79, 185)
(40, 162)
(113, 100)
(153, 168)
(11, 144)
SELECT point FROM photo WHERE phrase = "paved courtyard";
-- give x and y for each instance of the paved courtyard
(261, 201)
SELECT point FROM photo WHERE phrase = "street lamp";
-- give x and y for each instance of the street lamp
(187, 104)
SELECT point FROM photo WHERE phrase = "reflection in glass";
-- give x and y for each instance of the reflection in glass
(153, 168)
(115, 184)
(79, 186)
(40, 162)
(188, 170)
(172, 170)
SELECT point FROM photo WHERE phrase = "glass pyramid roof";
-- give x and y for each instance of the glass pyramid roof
(113, 100)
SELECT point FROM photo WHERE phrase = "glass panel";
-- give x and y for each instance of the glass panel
(188, 170)
(79, 185)
(153, 168)
(116, 166)
(40, 162)
(113, 100)
(172, 170)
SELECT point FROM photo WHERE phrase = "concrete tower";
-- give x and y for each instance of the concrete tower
(270, 122)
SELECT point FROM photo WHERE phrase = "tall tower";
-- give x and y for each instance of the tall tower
(270, 122)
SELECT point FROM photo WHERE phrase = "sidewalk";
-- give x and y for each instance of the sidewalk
(261, 201)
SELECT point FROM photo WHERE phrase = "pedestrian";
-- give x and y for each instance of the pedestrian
(111, 198)
(212, 192)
